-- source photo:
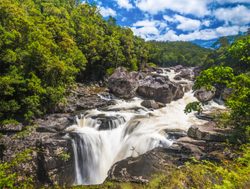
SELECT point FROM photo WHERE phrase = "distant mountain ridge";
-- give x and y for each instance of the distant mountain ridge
(214, 43)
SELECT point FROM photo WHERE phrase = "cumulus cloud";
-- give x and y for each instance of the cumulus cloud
(105, 12)
(148, 29)
(187, 24)
(195, 7)
(124, 4)
(232, 1)
(239, 15)
(205, 34)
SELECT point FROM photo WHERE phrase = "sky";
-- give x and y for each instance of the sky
(179, 20)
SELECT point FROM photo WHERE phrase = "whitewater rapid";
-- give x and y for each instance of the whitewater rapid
(135, 131)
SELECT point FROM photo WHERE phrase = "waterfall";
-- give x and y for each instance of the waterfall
(101, 138)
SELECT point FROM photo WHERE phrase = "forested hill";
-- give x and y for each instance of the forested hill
(174, 53)
(46, 46)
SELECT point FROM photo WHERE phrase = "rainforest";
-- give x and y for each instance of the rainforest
(86, 103)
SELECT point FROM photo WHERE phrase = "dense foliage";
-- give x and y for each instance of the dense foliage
(176, 53)
(45, 46)
(232, 72)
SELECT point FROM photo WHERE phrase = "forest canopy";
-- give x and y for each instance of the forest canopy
(46, 46)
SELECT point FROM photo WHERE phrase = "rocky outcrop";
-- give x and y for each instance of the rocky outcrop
(142, 168)
(202, 142)
(151, 104)
(54, 122)
(84, 97)
(204, 95)
(208, 133)
(159, 89)
(185, 74)
(55, 161)
(108, 122)
(123, 84)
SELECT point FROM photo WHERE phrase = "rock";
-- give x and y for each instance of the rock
(152, 104)
(226, 93)
(203, 95)
(109, 122)
(123, 84)
(207, 134)
(45, 130)
(159, 89)
(177, 77)
(54, 122)
(91, 102)
(177, 68)
(142, 168)
(11, 128)
(159, 71)
(197, 71)
(55, 161)
(167, 70)
(185, 74)
(84, 97)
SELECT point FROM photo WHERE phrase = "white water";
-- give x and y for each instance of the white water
(97, 150)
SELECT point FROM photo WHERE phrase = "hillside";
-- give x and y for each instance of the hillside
(174, 53)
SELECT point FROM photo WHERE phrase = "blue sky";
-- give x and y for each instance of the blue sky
(185, 20)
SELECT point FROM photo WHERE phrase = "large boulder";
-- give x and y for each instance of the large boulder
(55, 161)
(185, 74)
(207, 133)
(142, 168)
(159, 89)
(204, 95)
(152, 104)
(123, 84)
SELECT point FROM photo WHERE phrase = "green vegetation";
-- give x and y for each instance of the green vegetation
(10, 172)
(203, 175)
(232, 73)
(46, 46)
(175, 53)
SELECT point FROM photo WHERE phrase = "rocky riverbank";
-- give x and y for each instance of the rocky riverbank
(52, 161)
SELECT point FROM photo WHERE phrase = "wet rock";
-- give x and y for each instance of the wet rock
(177, 68)
(177, 77)
(109, 122)
(142, 168)
(159, 71)
(204, 95)
(123, 84)
(206, 133)
(152, 104)
(161, 90)
(55, 161)
(185, 74)
(91, 102)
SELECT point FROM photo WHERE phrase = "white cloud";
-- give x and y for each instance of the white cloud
(232, 1)
(239, 15)
(195, 7)
(205, 34)
(105, 12)
(168, 18)
(206, 23)
(187, 24)
(124, 4)
(148, 29)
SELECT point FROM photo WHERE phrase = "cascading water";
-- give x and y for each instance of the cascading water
(101, 138)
